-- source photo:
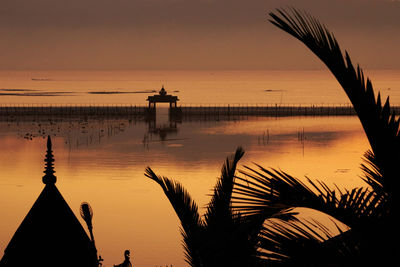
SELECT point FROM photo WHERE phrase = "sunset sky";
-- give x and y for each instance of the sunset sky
(187, 34)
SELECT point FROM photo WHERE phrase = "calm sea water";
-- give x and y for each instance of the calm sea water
(192, 87)
(102, 161)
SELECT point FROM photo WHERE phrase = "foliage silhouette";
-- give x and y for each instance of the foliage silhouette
(223, 237)
(260, 194)
(370, 213)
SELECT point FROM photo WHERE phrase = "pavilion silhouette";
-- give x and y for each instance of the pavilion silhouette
(162, 97)
(174, 115)
(50, 234)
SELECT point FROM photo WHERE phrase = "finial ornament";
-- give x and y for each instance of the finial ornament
(49, 171)
(163, 92)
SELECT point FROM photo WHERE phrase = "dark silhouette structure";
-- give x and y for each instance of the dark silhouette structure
(127, 262)
(162, 97)
(50, 234)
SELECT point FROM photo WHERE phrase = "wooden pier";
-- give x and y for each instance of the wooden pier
(199, 110)
(269, 110)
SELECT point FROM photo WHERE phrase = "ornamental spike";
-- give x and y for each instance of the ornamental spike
(49, 171)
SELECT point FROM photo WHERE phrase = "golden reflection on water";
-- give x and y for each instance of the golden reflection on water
(192, 87)
(130, 211)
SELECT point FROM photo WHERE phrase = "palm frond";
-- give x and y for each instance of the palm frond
(293, 241)
(379, 122)
(187, 211)
(361, 209)
(274, 193)
(372, 172)
(219, 208)
(309, 243)
(234, 237)
(224, 237)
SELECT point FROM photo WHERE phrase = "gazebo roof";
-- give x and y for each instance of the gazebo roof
(50, 234)
(162, 97)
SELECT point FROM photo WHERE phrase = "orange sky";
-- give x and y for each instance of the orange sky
(183, 34)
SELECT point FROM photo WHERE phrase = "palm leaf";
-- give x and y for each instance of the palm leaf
(275, 193)
(282, 240)
(219, 208)
(360, 208)
(233, 236)
(187, 211)
(379, 122)
(224, 237)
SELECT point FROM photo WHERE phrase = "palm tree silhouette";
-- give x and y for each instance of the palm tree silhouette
(370, 213)
(232, 232)
(222, 237)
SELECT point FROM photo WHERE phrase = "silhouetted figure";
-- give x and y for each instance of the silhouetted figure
(50, 234)
(127, 262)
(100, 261)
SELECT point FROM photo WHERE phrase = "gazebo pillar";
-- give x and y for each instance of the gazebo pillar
(152, 105)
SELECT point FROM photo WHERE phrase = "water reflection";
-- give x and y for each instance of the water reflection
(162, 126)
(102, 161)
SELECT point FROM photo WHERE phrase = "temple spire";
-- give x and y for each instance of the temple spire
(49, 177)
(163, 92)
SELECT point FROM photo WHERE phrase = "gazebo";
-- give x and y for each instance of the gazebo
(162, 97)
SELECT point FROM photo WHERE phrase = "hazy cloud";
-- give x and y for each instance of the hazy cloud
(157, 34)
